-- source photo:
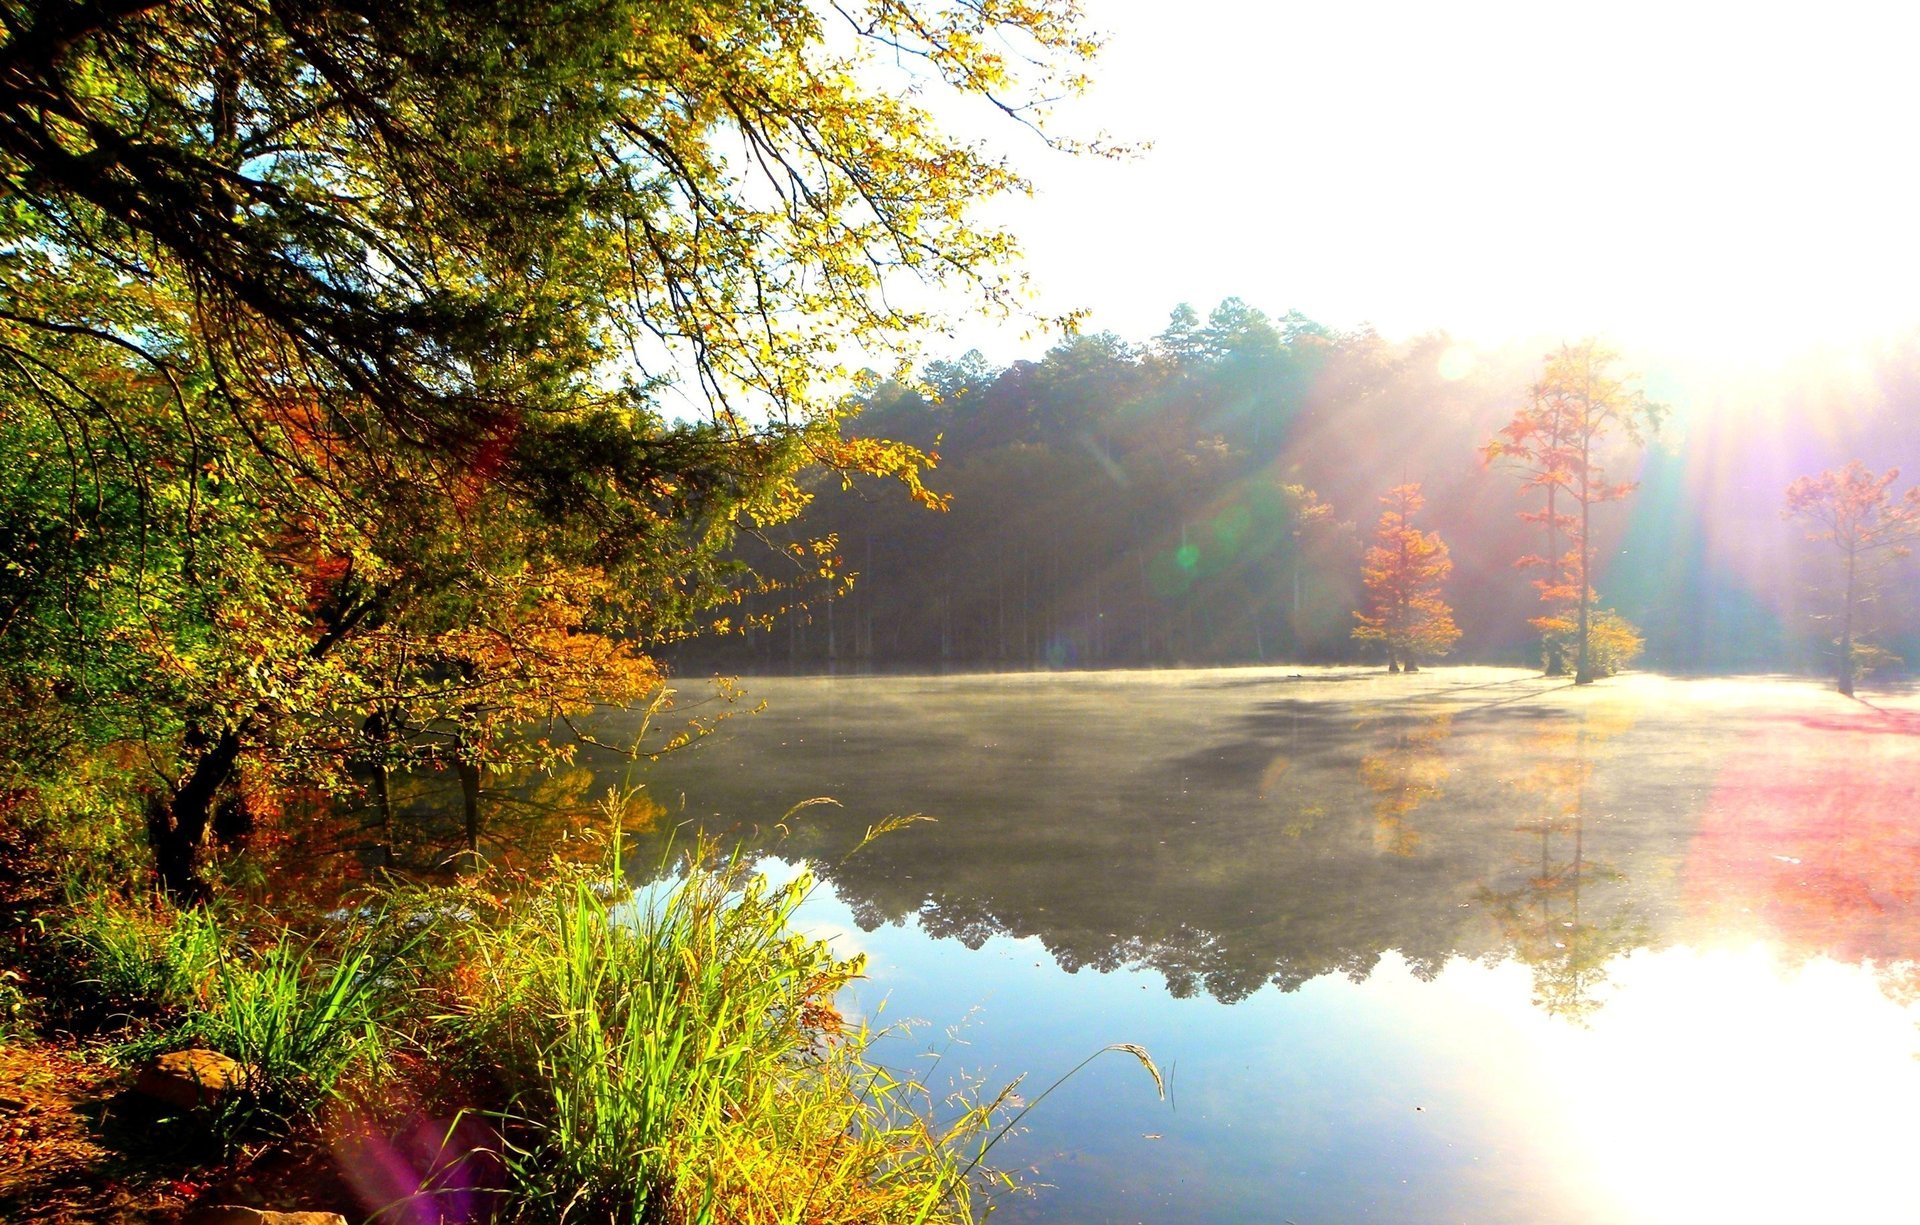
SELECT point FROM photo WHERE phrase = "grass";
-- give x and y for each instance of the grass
(675, 1057)
(137, 960)
(303, 1021)
(663, 1056)
(302, 1028)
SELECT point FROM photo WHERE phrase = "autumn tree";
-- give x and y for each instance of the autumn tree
(337, 342)
(1405, 569)
(1857, 513)
(1534, 446)
(1559, 444)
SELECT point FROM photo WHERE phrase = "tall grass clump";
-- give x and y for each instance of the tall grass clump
(303, 1027)
(138, 961)
(304, 1017)
(673, 1055)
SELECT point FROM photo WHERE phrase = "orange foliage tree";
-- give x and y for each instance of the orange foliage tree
(1556, 444)
(1532, 445)
(1404, 571)
(1857, 513)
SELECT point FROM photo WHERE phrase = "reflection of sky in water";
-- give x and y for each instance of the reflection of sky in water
(1629, 954)
(1715, 1085)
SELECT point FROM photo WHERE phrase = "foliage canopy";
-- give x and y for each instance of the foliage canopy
(337, 344)
(1405, 571)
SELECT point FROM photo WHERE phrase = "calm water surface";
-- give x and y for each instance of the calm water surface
(1466, 946)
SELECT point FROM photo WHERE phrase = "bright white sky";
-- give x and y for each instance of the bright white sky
(1718, 179)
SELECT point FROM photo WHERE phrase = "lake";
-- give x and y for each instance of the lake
(1468, 945)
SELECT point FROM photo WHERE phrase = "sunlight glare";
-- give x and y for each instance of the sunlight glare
(1724, 1085)
(1726, 183)
(1457, 362)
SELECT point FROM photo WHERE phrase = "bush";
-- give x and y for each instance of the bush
(1613, 642)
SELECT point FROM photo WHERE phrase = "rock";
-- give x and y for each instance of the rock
(228, 1214)
(191, 1079)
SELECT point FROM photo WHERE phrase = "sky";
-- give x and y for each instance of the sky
(1735, 183)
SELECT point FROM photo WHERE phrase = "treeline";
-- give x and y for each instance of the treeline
(1203, 497)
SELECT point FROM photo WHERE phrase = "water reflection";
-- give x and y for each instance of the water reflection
(1541, 918)
(1261, 839)
(1356, 917)
(1233, 831)
(1405, 769)
(1812, 835)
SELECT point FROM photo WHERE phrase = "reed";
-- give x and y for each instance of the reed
(305, 1029)
(673, 1055)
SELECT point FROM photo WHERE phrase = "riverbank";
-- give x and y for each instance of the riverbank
(500, 1048)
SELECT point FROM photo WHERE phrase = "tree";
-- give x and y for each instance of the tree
(1558, 444)
(1405, 568)
(1856, 512)
(1184, 340)
(334, 342)
(1534, 444)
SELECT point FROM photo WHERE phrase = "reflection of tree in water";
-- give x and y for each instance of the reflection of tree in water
(1542, 918)
(528, 818)
(1403, 770)
(1191, 960)
(1268, 867)
(1266, 847)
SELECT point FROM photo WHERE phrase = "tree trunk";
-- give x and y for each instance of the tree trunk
(377, 731)
(232, 820)
(1583, 669)
(469, 775)
(1556, 661)
(1846, 629)
(177, 822)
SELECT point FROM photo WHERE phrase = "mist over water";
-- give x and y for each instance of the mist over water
(1468, 945)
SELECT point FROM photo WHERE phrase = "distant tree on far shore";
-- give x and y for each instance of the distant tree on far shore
(1557, 444)
(1857, 513)
(1533, 445)
(1405, 569)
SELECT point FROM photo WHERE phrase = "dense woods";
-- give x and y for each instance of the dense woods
(1203, 496)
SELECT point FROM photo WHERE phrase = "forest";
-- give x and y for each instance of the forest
(1205, 496)
(380, 390)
